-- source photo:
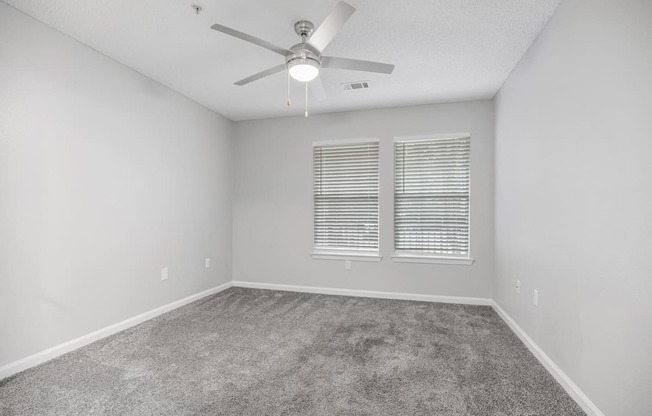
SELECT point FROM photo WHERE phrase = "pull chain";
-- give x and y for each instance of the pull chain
(306, 113)
(289, 102)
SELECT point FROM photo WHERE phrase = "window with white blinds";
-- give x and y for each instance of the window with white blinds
(346, 197)
(432, 196)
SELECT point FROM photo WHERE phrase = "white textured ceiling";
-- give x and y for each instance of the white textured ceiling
(444, 50)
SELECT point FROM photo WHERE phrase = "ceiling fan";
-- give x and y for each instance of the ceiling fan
(304, 60)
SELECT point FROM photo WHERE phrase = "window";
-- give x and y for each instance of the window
(431, 198)
(346, 199)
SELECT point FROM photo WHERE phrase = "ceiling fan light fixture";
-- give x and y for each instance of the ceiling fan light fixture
(303, 69)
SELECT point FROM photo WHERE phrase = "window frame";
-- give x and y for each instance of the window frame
(368, 255)
(434, 258)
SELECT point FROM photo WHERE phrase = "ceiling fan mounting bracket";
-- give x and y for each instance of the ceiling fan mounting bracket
(304, 29)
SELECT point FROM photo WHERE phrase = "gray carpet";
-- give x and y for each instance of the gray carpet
(261, 352)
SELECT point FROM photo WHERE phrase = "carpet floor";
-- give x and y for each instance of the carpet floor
(263, 352)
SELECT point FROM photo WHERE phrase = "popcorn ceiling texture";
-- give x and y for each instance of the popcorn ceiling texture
(444, 50)
(255, 352)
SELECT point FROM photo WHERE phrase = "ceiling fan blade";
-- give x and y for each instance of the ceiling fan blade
(325, 33)
(356, 65)
(262, 74)
(251, 39)
(317, 89)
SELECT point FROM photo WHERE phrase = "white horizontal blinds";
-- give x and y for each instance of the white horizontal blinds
(431, 196)
(346, 196)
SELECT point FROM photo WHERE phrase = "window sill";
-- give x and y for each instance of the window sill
(322, 255)
(404, 258)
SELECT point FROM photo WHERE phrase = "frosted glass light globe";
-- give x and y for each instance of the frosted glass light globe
(303, 69)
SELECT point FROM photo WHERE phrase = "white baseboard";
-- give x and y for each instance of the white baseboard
(571, 388)
(366, 293)
(46, 355)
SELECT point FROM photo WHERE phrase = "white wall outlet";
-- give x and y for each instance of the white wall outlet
(536, 298)
(208, 263)
(347, 264)
(164, 273)
(518, 286)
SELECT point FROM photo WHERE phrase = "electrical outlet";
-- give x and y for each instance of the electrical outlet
(208, 263)
(518, 286)
(164, 273)
(536, 298)
(347, 264)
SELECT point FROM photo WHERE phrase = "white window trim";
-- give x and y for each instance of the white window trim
(399, 257)
(420, 258)
(362, 255)
(341, 142)
(431, 137)
(346, 255)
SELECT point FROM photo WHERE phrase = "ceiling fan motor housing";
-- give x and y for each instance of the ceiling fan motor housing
(303, 51)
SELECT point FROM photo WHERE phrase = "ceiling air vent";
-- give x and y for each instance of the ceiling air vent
(359, 85)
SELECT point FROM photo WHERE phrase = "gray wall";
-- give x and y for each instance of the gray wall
(105, 177)
(574, 200)
(272, 209)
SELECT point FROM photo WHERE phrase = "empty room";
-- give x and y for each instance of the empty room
(420, 207)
